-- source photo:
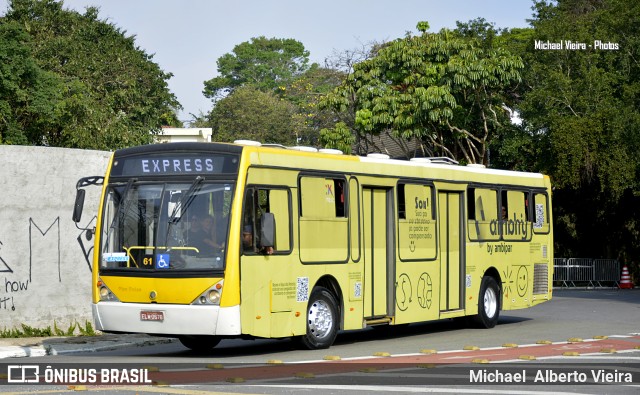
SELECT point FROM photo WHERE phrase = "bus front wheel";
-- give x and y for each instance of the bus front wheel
(201, 344)
(488, 303)
(322, 320)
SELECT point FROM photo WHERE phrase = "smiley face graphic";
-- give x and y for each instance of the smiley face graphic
(522, 281)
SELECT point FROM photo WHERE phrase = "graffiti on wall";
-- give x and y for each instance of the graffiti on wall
(32, 225)
(42, 274)
(4, 300)
(4, 267)
(16, 283)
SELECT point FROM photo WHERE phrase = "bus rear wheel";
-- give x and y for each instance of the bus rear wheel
(488, 303)
(201, 344)
(322, 320)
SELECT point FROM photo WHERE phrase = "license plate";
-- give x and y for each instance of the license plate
(151, 316)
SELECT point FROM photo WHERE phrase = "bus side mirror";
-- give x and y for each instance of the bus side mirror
(267, 230)
(78, 206)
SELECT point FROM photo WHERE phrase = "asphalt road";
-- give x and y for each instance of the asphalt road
(570, 314)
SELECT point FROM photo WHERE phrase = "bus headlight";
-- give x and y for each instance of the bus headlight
(105, 293)
(211, 296)
(214, 297)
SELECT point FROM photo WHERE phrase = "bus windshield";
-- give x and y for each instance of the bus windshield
(165, 227)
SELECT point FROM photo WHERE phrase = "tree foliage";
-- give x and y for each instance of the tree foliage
(446, 88)
(251, 114)
(92, 88)
(588, 99)
(306, 93)
(272, 69)
(29, 96)
(266, 63)
(580, 111)
(338, 137)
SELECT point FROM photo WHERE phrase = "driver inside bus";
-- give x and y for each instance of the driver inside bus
(247, 242)
(202, 234)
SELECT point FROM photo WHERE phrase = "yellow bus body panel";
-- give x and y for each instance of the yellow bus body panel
(165, 290)
(272, 306)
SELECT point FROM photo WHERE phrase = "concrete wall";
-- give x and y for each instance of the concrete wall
(44, 273)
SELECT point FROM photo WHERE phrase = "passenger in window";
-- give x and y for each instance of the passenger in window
(504, 213)
(247, 238)
(248, 244)
(202, 234)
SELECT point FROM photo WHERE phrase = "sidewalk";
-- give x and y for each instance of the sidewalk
(41, 346)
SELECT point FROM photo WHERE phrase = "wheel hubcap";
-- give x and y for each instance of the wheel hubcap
(490, 302)
(320, 319)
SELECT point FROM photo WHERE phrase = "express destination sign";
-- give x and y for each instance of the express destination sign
(175, 164)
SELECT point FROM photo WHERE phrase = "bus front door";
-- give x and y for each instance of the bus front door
(451, 248)
(378, 252)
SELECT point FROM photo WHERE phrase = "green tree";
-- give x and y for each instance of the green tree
(265, 63)
(111, 95)
(580, 102)
(340, 131)
(444, 88)
(518, 146)
(29, 97)
(583, 107)
(337, 137)
(306, 92)
(251, 114)
(281, 68)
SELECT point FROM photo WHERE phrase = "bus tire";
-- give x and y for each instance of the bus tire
(488, 303)
(200, 344)
(322, 320)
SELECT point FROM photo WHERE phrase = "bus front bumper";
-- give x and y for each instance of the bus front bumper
(167, 319)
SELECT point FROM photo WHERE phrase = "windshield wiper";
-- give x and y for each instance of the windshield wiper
(185, 201)
(122, 208)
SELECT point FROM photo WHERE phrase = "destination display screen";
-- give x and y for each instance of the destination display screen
(174, 164)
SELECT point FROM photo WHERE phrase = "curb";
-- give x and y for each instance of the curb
(20, 348)
(20, 351)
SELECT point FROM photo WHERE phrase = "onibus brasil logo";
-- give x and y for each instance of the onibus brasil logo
(36, 374)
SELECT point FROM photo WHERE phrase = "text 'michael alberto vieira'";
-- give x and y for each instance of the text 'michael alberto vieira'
(549, 376)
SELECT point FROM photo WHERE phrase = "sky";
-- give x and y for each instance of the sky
(186, 37)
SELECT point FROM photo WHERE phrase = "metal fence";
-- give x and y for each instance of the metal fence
(586, 272)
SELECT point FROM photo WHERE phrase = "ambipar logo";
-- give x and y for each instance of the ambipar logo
(23, 374)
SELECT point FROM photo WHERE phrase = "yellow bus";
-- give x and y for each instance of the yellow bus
(206, 241)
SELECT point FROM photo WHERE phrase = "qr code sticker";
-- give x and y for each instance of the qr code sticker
(302, 289)
(539, 216)
(357, 289)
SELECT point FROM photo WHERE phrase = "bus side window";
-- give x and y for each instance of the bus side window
(402, 208)
(471, 203)
(517, 228)
(323, 222)
(541, 213)
(264, 206)
(416, 222)
(482, 214)
(339, 198)
(249, 222)
(504, 205)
